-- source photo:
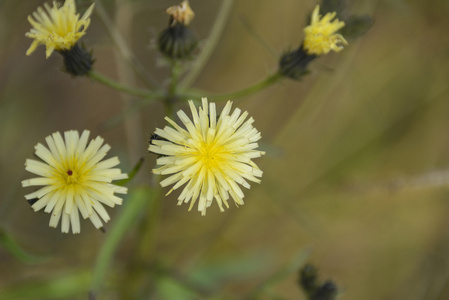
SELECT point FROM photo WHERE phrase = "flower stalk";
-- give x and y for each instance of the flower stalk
(142, 93)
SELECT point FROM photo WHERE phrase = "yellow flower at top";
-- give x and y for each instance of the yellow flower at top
(320, 37)
(212, 156)
(57, 27)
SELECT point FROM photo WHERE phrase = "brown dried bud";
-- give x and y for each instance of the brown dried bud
(181, 13)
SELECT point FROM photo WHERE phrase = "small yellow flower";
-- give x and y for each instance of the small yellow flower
(320, 37)
(74, 179)
(58, 28)
(211, 157)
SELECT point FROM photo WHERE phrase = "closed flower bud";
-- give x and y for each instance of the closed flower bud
(294, 64)
(327, 291)
(178, 41)
(77, 60)
(308, 277)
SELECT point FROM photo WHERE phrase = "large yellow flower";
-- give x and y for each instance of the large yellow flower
(58, 28)
(74, 179)
(320, 37)
(211, 157)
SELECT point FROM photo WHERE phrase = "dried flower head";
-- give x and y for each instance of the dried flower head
(58, 28)
(211, 157)
(181, 13)
(74, 179)
(320, 35)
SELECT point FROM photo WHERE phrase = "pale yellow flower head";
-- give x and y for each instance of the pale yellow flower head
(320, 37)
(57, 27)
(212, 156)
(74, 179)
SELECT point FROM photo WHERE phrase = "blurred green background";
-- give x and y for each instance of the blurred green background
(354, 178)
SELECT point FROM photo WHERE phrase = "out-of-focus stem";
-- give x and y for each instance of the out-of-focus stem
(121, 44)
(137, 202)
(172, 96)
(210, 45)
(124, 22)
(8, 243)
(144, 93)
(268, 81)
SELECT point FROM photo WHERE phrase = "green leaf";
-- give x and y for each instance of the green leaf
(59, 287)
(168, 289)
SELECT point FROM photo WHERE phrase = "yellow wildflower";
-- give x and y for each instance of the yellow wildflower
(58, 28)
(74, 179)
(320, 37)
(211, 156)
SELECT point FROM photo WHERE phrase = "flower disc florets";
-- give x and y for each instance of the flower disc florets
(211, 156)
(320, 37)
(58, 28)
(74, 179)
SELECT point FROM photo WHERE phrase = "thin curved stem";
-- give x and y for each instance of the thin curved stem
(268, 81)
(211, 43)
(143, 93)
(8, 243)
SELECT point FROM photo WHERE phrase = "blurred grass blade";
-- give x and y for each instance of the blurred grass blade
(7, 243)
(212, 41)
(284, 272)
(258, 38)
(135, 204)
(131, 174)
(59, 287)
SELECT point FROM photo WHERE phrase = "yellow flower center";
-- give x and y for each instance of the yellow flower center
(211, 155)
(72, 177)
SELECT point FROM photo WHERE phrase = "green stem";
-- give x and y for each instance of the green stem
(174, 77)
(131, 174)
(270, 80)
(143, 93)
(212, 42)
(14, 249)
(171, 98)
(138, 200)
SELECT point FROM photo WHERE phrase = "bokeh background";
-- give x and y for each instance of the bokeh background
(355, 177)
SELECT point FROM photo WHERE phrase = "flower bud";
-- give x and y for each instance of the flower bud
(178, 41)
(77, 60)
